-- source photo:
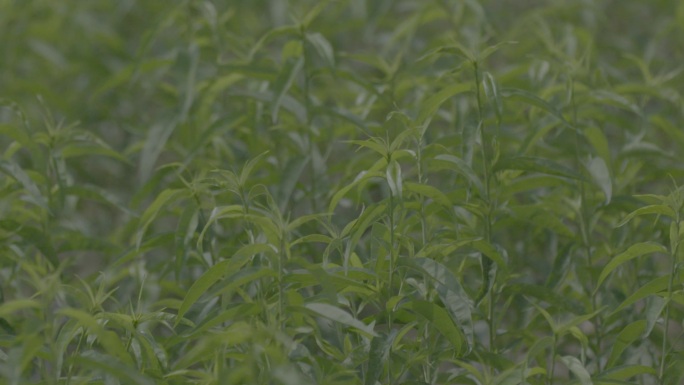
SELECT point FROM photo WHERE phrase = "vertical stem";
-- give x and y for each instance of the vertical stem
(670, 284)
(307, 108)
(281, 286)
(486, 261)
(584, 230)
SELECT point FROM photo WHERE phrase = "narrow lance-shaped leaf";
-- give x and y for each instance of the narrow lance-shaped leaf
(536, 101)
(377, 356)
(29, 185)
(599, 171)
(394, 181)
(450, 291)
(216, 272)
(440, 319)
(283, 84)
(576, 367)
(533, 164)
(633, 252)
(626, 337)
(462, 167)
(430, 106)
(429, 192)
(322, 46)
(165, 198)
(651, 209)
(338, 315)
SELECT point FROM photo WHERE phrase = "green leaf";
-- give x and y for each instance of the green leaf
(652, 209)
(440, 320)
(428, 191)
(216, 272)
(9, 307)
(652, 287)
(598, 140)
(654, 307)
(634, 251)
(536, 101)
(249, 167)
(107, 338)
(377, 356)
(394, 181)
(34, 194)
(599, 171)
(490, 252)
(430, 106)
(533, 164)
(450, 291)
(322, 46)
(576, 367)
(624, 372)
(461, 167)
(625, 337)
(336, 314)
(113, 367)
(362, 177)
(283, 84)
(165, 198)
(74, 151)
(484, 54)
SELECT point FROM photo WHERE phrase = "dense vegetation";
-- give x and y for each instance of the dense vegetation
(341, 192)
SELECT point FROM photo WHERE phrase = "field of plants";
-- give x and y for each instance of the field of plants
(349, 192)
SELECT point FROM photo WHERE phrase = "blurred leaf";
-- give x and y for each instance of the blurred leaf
(377, 356)
(165, 198)
(430, 106)
(652, 209)
(283, 83)
(634, 251)
(462, 168)
(394, 180)
(322, 46)
(599, 171)
(34, 194)
(532, 164)
(450, 291)
(576, 367)
(625, 337)
(113, 367)
(429, 192)
(336, 314)
(534, 100)
(440, 319)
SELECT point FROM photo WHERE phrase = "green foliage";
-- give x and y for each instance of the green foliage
(341, 192)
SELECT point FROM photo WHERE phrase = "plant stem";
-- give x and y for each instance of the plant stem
(486, 261)
(670, 284)
(584, 230)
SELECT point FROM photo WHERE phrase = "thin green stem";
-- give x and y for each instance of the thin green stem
(670, 285)
(584, 227)
(486, 261)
